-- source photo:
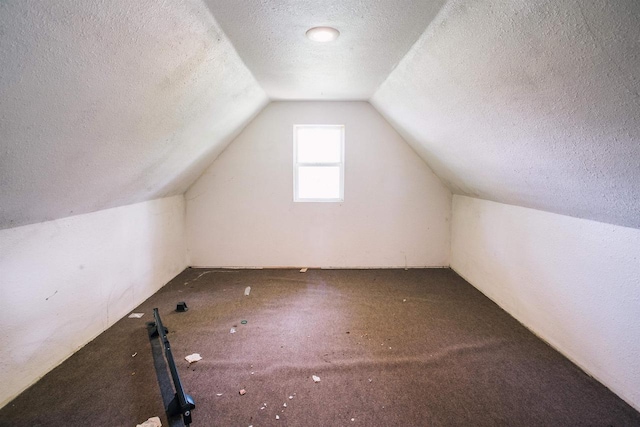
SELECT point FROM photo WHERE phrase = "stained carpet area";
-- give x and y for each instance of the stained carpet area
(391, 348)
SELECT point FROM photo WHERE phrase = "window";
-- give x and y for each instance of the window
(318, 163)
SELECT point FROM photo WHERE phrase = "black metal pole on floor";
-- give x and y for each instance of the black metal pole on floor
(182, 403)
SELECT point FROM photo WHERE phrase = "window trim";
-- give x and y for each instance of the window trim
(297, 164)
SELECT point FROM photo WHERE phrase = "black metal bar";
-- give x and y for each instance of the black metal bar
(182, 403)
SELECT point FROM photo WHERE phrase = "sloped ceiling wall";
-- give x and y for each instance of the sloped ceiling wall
(530, 103)
(108, 103)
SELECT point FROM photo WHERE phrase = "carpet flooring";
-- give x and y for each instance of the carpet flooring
(391, 348)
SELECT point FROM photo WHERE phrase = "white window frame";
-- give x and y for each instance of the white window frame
(297, 164)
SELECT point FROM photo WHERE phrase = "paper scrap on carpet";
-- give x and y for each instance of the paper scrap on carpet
(151, 422)
(193, 357)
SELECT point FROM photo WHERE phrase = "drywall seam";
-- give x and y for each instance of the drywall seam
(187, 255)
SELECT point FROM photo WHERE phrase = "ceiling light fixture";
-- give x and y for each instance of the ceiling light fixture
(323, 34)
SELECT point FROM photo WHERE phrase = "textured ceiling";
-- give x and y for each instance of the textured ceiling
(531, 103)
(107, 103)
(270, 38)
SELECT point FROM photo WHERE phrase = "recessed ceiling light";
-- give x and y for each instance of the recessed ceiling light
(323, 34)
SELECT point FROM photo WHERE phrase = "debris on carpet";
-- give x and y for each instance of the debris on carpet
(193, 358)
(151, 422)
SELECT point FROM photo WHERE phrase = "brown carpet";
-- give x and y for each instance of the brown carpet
(392, 348)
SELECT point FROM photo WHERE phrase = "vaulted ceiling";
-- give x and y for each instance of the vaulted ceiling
(107, 103)
(270, 38)
(530, 103)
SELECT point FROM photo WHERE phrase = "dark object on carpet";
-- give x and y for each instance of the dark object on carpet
(182, 404)
(391, 347)
(182, 307)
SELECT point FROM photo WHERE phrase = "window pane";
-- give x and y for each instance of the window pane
(319, 145)
(319, 182)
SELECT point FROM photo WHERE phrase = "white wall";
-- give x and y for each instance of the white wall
(64, 282)
(574, 282)
(241, 211)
